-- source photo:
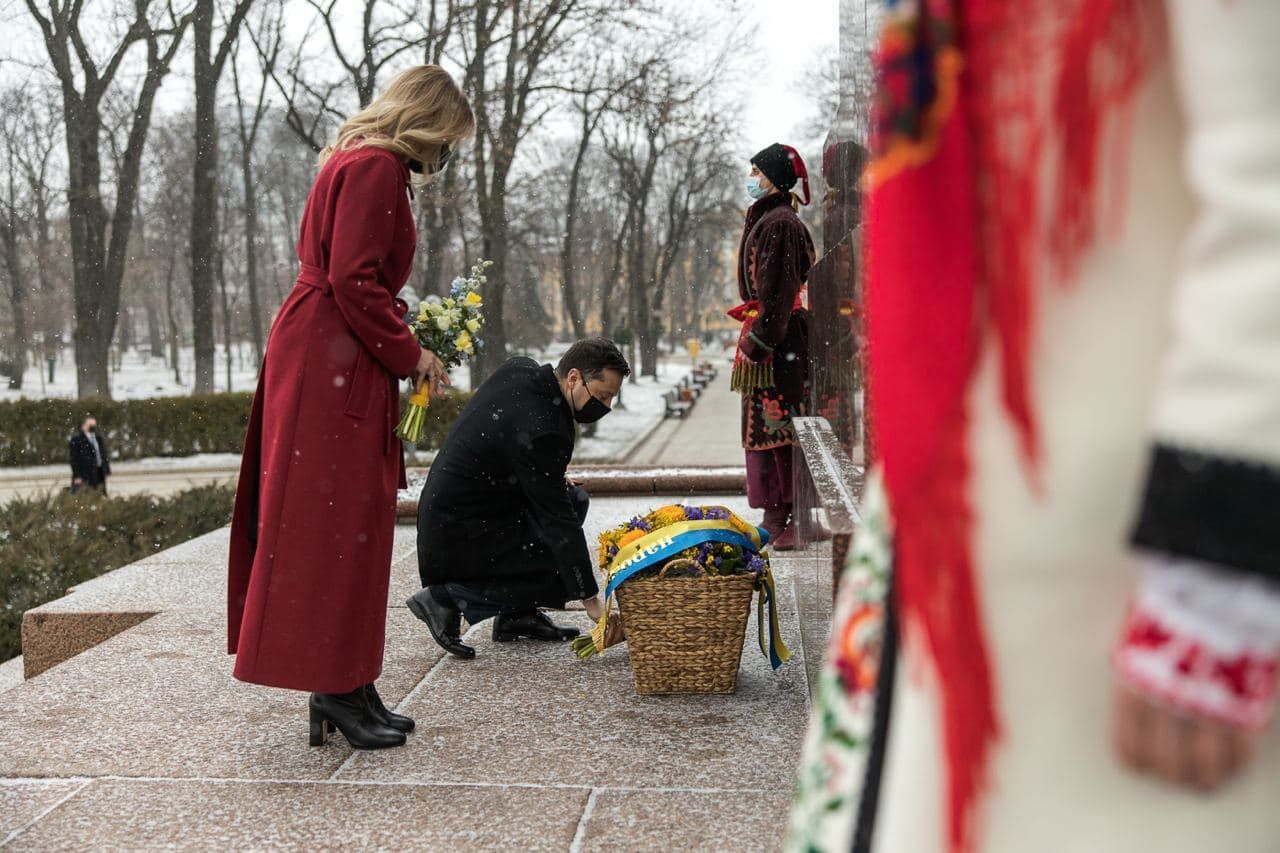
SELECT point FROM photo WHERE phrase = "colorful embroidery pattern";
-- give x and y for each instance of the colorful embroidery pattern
(830, 776)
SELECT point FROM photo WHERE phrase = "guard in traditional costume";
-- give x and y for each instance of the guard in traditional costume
(771, 365)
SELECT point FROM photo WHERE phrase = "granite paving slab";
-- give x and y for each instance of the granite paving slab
(159, 700)
(685, 820)
(125, 814)
(211, 545)
(22, 801)
(531, 713)
(11, 673)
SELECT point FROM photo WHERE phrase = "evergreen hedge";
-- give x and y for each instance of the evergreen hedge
(35, 432)
(54, 541)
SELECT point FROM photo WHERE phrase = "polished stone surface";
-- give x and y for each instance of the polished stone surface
(686, 820)
(23, 801)
(532, 713)
(48, 639)
(159, 700)
(145, 739)
(126, 814)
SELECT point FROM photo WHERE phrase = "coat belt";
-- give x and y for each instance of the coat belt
(314, 276)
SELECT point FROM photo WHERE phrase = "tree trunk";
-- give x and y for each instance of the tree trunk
(175, 343)
(496, 243)
(88, 223)
(226, 315)
(17, 304)
(155, 338)
(568, 275)
(250, 251)
(204, 203)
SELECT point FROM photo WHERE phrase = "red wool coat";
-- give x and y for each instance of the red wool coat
(311, 532)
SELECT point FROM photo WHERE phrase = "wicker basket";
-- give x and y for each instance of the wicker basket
(685, 634)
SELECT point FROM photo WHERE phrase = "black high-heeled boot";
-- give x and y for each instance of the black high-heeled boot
(350, 714)
(385, 716)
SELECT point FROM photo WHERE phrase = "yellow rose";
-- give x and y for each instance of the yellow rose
(474, 300)
(442, 322)
(473, 326)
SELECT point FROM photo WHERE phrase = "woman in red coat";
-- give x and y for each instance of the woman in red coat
(311, 533)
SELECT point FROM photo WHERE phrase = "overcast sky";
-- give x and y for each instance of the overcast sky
(792, 33)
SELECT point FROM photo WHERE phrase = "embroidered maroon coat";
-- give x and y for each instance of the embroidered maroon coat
(774, 257)
(311, 533)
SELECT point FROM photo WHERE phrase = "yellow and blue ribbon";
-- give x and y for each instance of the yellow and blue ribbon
(665, 542)
(777, 653)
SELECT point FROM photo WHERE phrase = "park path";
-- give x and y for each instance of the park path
(707, 435)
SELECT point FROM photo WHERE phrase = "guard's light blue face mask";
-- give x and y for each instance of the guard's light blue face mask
(754, 189)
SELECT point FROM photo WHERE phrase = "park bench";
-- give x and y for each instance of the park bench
(674, 406)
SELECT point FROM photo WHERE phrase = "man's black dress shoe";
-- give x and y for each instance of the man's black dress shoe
(350, 714)
(533, 624)
(445, 623)
(382, 715)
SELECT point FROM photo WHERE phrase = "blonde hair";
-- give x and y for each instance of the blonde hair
(421, 112)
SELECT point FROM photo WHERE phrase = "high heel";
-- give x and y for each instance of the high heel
(382, 715)
(350, 714)
(319, 728)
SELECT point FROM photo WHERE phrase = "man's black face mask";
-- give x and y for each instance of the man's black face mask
(592, 410)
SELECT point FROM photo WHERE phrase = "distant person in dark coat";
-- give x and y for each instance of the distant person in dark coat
(499, 526)
(90, 460)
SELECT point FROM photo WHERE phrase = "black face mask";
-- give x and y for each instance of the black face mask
(591, 411)
(416, 166)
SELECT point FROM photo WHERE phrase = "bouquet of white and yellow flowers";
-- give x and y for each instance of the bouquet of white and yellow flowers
(450, 328)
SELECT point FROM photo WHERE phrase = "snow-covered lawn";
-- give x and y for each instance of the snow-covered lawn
(141, 375)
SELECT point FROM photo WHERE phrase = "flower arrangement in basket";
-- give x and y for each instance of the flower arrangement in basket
(684, 577)
(450, 328)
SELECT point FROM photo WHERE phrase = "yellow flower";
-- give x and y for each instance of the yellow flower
(629, 537)
(668, 515)
(474, 300)
(464, 343)
(473, 326)
(442, 322)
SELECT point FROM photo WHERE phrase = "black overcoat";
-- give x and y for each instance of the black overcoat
(83, 464)
(495, 513)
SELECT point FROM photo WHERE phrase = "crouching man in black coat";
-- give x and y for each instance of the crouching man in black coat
(499, 527)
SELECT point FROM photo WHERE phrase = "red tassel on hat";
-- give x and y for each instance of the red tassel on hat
(797, 166)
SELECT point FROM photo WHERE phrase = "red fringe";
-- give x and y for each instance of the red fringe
(954, 245)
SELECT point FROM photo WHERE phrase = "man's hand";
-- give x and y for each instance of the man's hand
(594, 608)
(1178, 746)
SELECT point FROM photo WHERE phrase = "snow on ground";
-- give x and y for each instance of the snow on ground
(640, 409)
(158, 464)
(141, 375)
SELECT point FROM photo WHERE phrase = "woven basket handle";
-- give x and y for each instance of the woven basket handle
(682, 562)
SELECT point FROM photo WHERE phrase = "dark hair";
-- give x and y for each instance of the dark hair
(591, 357)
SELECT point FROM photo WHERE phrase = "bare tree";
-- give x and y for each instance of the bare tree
(381, 40)
(512, 45)
(13, 225)
(209, 62)
(247, 127)
(99, 239)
